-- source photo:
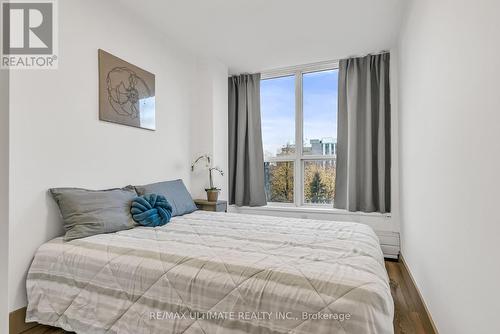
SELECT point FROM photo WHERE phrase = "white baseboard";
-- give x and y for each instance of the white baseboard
(389, 242)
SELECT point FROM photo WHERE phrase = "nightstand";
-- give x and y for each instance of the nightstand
(203, 204)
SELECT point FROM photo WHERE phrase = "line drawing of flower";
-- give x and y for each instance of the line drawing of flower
(125, 90)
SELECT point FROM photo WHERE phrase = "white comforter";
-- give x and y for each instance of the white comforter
(215, 273)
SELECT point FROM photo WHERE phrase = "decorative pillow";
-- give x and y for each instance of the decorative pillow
(89, 212)
(175, 192)
(151, 210)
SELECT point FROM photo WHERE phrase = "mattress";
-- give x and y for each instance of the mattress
(212, 272)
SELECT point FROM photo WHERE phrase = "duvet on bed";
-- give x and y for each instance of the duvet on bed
(208, 272)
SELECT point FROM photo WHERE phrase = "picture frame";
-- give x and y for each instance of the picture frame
(126, 93)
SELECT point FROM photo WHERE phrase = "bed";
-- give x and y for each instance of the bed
(212, 272)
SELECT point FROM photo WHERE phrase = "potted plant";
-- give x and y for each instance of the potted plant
(212, 191)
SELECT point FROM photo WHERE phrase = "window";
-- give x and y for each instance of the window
(300, 106)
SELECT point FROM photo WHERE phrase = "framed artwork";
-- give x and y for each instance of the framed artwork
(126, 93)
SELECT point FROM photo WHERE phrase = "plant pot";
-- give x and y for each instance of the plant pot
(212, 195)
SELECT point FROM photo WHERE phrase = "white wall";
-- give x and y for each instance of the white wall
(4, 199)
(209, 125)
(57, 139)
(450, 159)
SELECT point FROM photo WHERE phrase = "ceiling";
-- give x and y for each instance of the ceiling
(255, 35)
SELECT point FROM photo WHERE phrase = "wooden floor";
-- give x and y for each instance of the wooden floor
(409, 312)
(409, 316)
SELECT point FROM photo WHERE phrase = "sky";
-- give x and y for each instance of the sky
(278, 109)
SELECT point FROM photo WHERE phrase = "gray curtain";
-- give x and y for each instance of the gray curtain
(363, 180)
(246, 157)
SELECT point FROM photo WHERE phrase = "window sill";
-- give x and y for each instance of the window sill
(306, 209)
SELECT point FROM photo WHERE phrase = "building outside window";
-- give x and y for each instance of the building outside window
(300, 107)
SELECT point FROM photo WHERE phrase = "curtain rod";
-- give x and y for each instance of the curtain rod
(368, 54)
(311, 66)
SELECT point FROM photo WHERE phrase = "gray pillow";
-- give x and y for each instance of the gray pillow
(175, 192)
(89, 212)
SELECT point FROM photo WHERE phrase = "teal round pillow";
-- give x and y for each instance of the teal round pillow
(151, 210)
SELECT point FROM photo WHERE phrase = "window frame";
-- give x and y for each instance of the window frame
(299, 158)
